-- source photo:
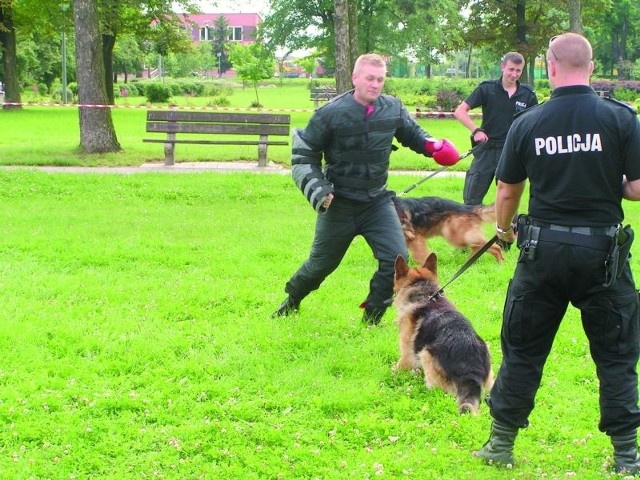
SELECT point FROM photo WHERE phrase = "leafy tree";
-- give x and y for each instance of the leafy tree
(252, 63)
(617, 36)
(220, 34)
(308, 64)
(151, 20)
(524, 26)
(128, 57)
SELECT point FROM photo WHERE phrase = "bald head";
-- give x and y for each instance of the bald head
(570, 59)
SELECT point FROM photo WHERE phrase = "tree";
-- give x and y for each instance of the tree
(220, 34)
(150, 20)
(97, 134)
(575, 16)
(343, 46)
(252, 63)
(9, 55)
(127, 56)
(524, 26)
(308, 65)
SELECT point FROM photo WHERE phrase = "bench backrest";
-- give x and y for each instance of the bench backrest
(173, 121)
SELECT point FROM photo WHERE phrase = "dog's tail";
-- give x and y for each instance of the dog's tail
(468, 396)
(487, 213)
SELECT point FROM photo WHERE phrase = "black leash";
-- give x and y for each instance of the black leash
(441, 169)
(461, 270)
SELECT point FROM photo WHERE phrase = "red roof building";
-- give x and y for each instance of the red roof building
(242, 26)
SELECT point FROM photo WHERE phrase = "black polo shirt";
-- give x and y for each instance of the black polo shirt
(498, 108)
(574, 149)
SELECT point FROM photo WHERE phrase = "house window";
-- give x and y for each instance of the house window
(206, 33)
(235, 34)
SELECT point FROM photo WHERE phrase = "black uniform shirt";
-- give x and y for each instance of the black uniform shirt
(498, 108)
(574, 149)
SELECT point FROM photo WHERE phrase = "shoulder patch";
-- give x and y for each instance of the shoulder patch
(618, 102)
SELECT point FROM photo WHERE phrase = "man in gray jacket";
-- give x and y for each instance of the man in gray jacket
(354, 134)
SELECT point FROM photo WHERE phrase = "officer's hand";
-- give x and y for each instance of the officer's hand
(505, 238)
(505, 246)
(442, 151)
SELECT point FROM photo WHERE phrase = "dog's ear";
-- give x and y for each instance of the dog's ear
(431, 263)
(401, 267)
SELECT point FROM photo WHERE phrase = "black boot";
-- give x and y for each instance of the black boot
(625, 453)
(287, 307)
(373, 315)
(499, 447)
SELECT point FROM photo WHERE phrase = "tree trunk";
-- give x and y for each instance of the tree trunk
(9, 58)
(352, 12)
(97, 134)
(623, 69)
(521, 34)
(575, 16)
(108, 42)
(341, 28)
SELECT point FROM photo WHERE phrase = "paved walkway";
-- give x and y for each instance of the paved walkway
(191, 167)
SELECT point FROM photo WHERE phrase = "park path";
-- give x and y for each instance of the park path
(192, 167)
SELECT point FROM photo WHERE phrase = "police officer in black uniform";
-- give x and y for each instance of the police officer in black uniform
(500, 99)
(354, 133)
(581, 154)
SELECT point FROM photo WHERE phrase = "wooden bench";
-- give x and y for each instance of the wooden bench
(174, 122)
(604, 92)
(322, 94)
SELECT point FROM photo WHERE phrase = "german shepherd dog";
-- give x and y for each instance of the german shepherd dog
(459, 224)
(434, 335)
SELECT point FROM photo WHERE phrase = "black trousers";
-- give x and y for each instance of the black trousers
(537, 299)
(480, 175)
(377, 221)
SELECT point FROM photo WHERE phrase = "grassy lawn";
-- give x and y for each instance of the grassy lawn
(50, 135)
(137, 342)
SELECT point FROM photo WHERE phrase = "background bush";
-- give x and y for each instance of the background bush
(158, 92)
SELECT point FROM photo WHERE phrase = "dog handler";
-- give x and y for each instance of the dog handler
(500, 99)
(354, 133)
(581, 154)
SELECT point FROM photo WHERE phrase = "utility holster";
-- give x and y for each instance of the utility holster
(618, 255)
(528, 236)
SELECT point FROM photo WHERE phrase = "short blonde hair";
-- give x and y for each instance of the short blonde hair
(369, 59)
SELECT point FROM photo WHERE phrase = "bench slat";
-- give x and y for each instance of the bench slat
(225, 117)
(217, 142)
(171, 127)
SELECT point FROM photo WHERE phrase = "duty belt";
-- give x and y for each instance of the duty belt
(598, 238)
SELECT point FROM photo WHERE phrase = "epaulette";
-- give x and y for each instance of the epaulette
(626, 105)
(528, 87)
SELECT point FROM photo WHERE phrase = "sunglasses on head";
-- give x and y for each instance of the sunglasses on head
(551, 49)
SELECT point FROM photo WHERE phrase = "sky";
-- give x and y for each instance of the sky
(234, 6)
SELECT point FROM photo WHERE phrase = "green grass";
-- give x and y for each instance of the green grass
(137, 342)
(40, 135)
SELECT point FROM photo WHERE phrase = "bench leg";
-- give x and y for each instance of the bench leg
(262, 151)
(169, 150)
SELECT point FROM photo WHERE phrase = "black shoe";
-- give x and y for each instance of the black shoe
(289, 306)
(372, 316)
